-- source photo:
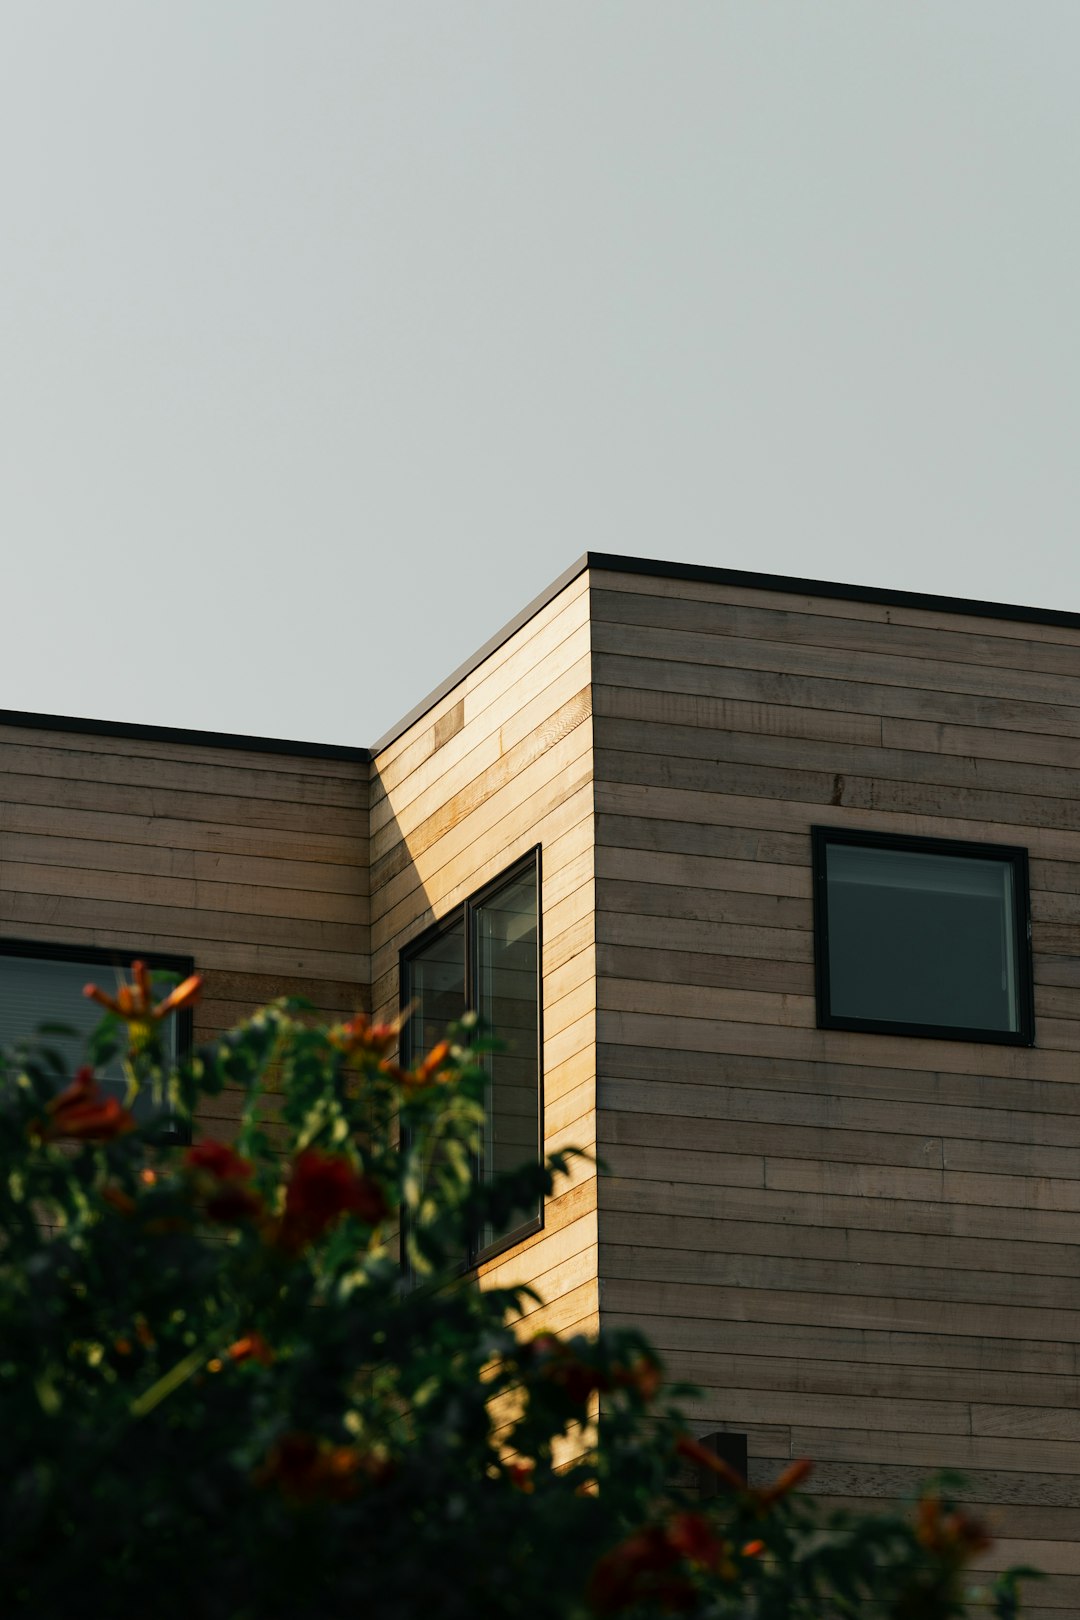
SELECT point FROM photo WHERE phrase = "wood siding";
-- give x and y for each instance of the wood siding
(861, 1247)
(254, 864)
(501, 763)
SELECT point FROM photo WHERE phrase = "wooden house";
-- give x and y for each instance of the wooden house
(774, 886)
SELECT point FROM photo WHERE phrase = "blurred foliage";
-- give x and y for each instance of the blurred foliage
(222, 1395)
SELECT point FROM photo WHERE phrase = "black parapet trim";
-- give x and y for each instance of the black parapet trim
(705, 574)
(180, 734)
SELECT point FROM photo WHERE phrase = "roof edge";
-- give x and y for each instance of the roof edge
(793, 585)
(612, 562)
(602, 561)
(536, 606)
(180, 734)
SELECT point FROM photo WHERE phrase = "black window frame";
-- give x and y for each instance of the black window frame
(478, 1254)
(114, 957)
(1013, 855)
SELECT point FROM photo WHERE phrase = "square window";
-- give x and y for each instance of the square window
(43, 984)
(485, 956)
(922, 936)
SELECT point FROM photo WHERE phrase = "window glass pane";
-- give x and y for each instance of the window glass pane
(507, 999)
(434, 986)
(435, 989)
(38, 990)
(922, 938)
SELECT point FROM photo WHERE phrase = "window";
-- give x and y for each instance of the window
(43, 984)
(485, 956)
(922, 936)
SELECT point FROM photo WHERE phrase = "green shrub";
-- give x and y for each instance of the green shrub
(222, 1397)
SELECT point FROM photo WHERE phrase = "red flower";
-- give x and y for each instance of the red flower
(307, 1469)
(223, 1173)
(522, 1474)
(693, 1538)
(558, 1364)
(219, 1160)
(83, 1112)
(651, 1566)
(322, 1188)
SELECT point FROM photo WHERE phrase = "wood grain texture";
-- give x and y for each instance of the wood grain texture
(862, 1242)
(447, 819)
(255, 865)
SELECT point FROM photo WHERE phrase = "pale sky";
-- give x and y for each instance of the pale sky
(330, 333)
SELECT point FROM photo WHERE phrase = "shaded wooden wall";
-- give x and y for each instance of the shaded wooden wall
(253, 863)
(862, 1247)
(499, 764)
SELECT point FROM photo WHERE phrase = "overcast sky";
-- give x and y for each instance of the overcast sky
(330, 333)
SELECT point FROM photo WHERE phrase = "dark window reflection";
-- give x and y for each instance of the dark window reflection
(506, 999)
(487, 959)
(44, 990)
(922, 938)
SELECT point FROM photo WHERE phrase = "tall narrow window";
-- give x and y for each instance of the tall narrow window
(485, 956)
(922, 936)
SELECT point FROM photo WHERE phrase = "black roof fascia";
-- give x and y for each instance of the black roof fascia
(822, 587)
(179, 734)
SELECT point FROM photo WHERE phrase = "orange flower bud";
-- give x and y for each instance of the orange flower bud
(686, 1446)
(253, 1347)
(792, 1476)
(956, 1536)
(358, 1036)
(134, 1002)
(118, 1200)
(433, 1064)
